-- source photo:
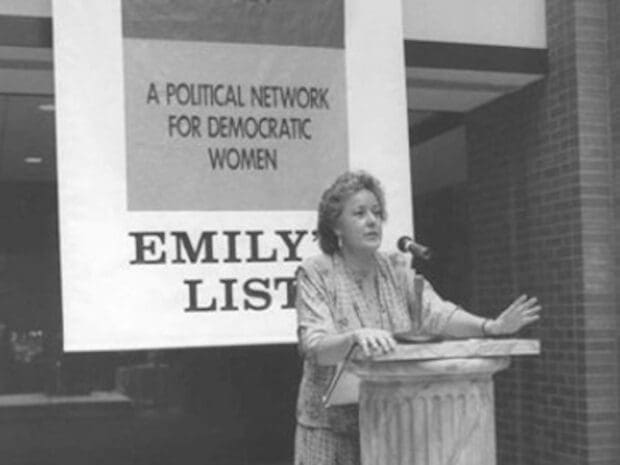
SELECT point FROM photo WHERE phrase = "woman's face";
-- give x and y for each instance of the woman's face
(360, 225)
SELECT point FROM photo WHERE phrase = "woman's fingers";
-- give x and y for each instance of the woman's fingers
(521, 312)
(532, 310)
(529, 302)
(388, 343)
(360, 341)
(524, 304)
(515, 305)
(521, 306)
(380, 345)
(528, 314)
(517, 302)
(364, 342)
(374, 342)
(383, 343)
(528, 320)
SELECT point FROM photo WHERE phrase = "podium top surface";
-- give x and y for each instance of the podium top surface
(462, 348)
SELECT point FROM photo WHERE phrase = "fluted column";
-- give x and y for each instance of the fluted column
(433, 412)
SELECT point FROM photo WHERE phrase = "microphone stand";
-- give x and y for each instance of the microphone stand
(415, 336)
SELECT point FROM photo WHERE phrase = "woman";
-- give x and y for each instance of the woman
(353, 294)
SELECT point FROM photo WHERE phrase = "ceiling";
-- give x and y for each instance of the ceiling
(457, 90)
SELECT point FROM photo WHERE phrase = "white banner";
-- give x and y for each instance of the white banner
(194, 142)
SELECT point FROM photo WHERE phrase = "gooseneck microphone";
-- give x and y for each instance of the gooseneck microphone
(408, 245)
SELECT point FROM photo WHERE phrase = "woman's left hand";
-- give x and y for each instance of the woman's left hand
(521, 312)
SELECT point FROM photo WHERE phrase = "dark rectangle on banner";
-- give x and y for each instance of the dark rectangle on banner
(304, 23)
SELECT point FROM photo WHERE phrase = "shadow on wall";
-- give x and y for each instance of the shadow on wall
(441, 222)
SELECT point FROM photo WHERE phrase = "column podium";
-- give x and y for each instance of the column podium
(433, 403)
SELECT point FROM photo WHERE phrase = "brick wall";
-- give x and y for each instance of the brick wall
(614, 53)
(541, 194)
(597, 193)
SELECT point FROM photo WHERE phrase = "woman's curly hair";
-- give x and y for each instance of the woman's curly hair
(332, 203)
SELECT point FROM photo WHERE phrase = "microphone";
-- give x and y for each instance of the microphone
(406, 244)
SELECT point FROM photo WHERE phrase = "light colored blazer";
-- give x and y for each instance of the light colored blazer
(329, 302)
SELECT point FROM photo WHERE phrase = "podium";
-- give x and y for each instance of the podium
(433, 403)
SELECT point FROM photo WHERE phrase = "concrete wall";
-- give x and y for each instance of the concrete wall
(515, 23)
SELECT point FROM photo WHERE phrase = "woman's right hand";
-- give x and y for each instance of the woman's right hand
(373, 341)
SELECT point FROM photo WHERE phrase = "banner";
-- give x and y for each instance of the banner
(194, 141)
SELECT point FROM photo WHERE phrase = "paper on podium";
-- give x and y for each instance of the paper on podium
(344, 387)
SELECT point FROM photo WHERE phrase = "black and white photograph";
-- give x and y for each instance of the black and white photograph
(309, 232)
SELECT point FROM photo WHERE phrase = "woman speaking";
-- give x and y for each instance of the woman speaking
(354, 294)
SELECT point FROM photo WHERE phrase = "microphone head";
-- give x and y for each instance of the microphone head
(408, 245)
(403, 243)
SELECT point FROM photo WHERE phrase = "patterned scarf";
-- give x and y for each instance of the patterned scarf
(351, 308)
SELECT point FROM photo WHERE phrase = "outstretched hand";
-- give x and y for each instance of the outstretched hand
(520, 313)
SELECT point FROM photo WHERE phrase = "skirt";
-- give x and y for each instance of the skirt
(322, 446)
